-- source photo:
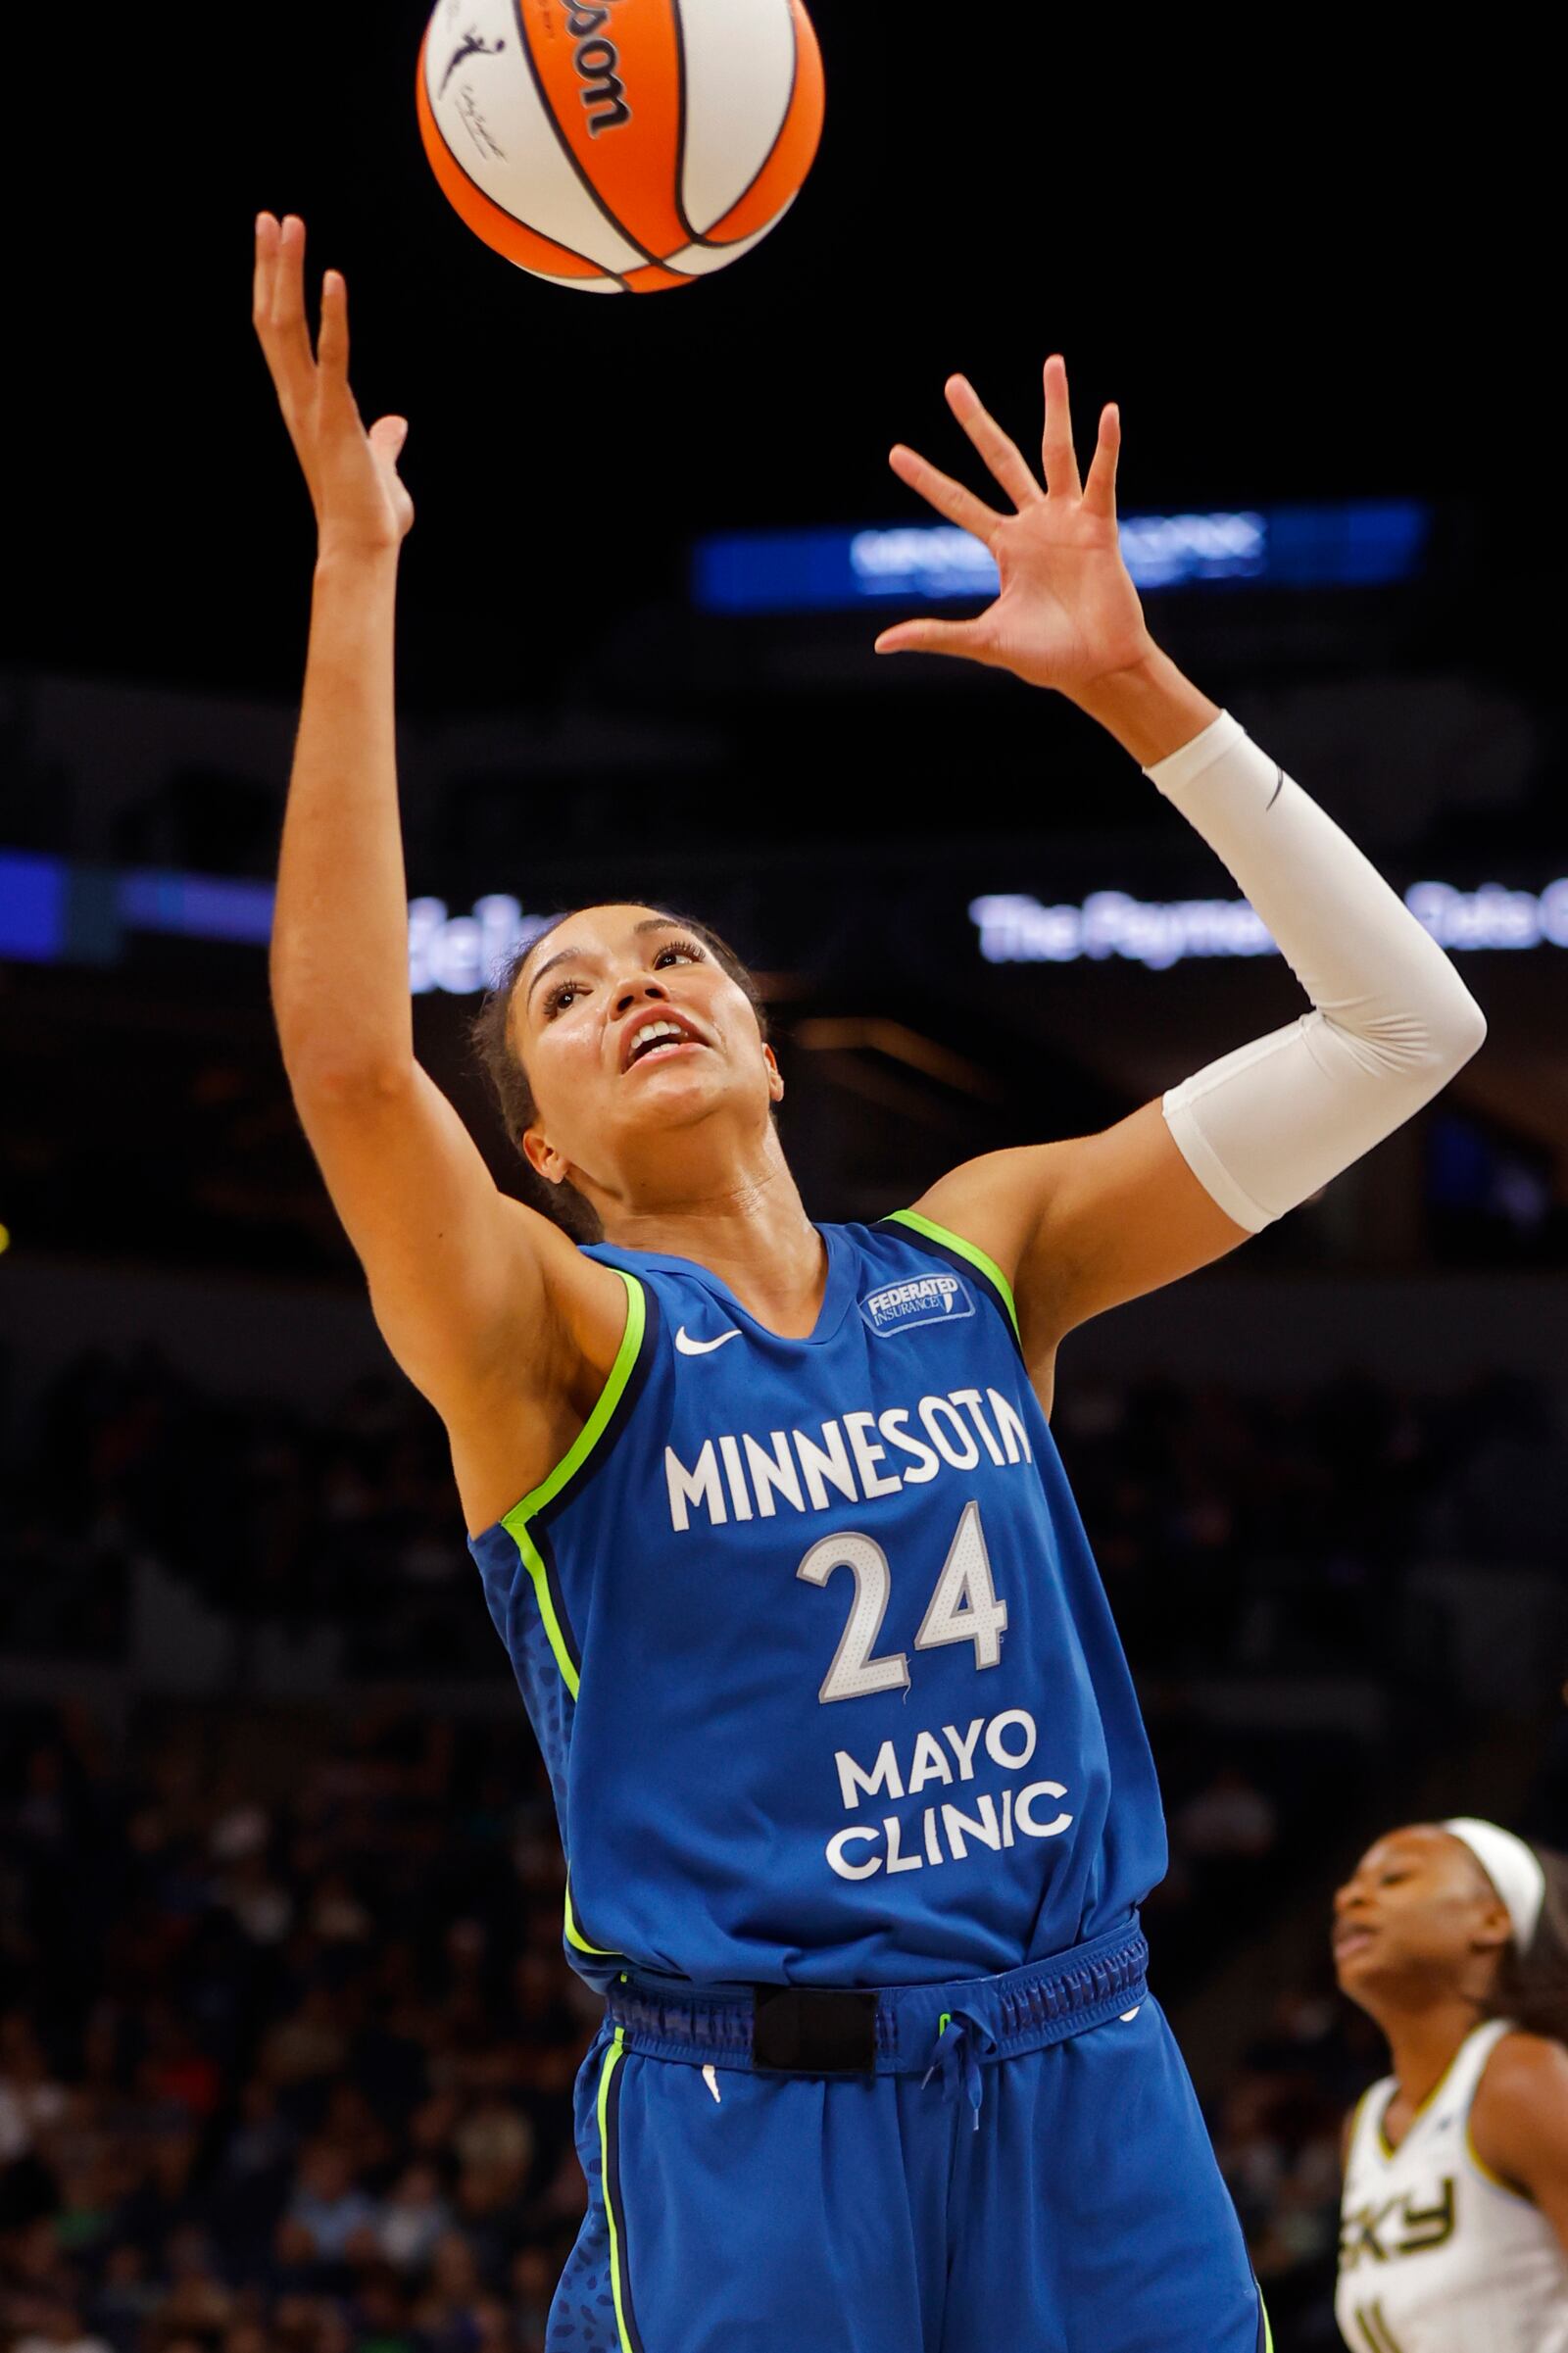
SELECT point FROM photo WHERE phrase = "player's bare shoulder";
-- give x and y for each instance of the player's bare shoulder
(1524, 2065)
(1521, 2105)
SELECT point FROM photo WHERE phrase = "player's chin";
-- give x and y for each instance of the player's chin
(1358, 1968)
(691, 1083)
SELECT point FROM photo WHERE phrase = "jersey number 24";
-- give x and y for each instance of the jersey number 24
(964, 1608)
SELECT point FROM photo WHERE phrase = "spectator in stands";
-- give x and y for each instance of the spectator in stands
(329, 2219)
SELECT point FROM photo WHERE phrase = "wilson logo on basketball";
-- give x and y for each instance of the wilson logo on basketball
(716, 106)
(598, 64)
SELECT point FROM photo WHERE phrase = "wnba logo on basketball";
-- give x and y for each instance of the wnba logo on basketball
(598, 64)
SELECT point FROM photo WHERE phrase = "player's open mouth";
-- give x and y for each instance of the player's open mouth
(1351, 1941)
(659, 1038)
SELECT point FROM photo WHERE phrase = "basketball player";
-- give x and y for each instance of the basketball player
(856, 1800)
(1455, 2236)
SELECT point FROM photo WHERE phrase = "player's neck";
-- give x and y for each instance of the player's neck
(1424, 2042)
(750, 1228)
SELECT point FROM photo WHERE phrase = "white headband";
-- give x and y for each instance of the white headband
(1513, 1868)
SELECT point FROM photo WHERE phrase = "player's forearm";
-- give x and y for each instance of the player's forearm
(1149, 708)
(1392, 1020)
(340, 940)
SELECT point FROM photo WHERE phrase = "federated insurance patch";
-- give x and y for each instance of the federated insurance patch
(925, 1300)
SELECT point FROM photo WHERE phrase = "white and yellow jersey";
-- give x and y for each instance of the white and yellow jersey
(1436, 2254)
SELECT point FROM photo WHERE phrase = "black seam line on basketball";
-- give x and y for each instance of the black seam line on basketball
(571, 154)
(1279, 787)
(549, 276)
(615, 2196)
(722, 244)
(678, 17)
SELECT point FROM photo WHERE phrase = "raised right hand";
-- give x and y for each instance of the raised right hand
(362, 506)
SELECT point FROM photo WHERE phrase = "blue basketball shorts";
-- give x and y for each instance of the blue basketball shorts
(1022, 2164)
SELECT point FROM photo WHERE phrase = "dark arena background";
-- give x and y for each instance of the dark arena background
(286, 2039)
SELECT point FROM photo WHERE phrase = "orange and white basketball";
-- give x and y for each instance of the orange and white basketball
(621, 146)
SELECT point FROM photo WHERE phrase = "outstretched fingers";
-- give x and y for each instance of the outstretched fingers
(332, 343)
(1002, 457)
(941, 491)
(266, 236)
(289, 277)
(970, 639)
(1059, 458)
(1100, 491)
(279, 306)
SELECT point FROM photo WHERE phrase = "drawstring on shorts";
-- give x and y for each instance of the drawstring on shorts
(957, 2055)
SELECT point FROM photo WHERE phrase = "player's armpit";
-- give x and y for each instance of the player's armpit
(1082, 1225)
(1519, 2122)
(475, 1293)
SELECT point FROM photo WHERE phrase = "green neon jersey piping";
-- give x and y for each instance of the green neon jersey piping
(614, 2057)
(518, 1518)
(966, 1250)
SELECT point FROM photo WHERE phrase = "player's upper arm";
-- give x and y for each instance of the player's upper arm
(1519, 2122)
(461, 1276)
(1082, 1225)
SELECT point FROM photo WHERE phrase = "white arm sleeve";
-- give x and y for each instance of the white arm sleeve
(1391, 1021)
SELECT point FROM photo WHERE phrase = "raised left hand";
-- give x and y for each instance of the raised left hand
(1067, 614)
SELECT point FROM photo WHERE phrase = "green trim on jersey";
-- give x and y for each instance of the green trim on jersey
(966, 1250)
(613, 2059)
(575, 1937)
(515, 1522)
(1268, 2327)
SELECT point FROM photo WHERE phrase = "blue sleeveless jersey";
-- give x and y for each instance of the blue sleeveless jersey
(813, 1643)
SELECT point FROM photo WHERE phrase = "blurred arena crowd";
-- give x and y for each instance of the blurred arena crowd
(286, 2037)
(1236, 1531)
(287, 2072)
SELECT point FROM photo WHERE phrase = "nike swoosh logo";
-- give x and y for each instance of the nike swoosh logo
(704, 1347)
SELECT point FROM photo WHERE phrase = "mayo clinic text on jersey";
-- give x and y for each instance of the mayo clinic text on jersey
(943, 1831)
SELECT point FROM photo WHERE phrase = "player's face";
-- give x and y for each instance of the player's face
(630, 1028)
(1418, 1914)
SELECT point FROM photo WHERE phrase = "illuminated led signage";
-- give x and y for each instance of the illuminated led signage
(51, 912)
(460, 955)
(1368, 543)
(1157, 932)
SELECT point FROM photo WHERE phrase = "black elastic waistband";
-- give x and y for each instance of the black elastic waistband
(888, 2030)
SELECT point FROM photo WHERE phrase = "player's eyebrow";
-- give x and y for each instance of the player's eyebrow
(562, 955)
(550, 961)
